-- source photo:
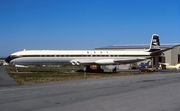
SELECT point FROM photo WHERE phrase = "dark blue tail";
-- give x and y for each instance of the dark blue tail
(155, 43)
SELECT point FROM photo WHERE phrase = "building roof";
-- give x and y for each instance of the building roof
(137, 46)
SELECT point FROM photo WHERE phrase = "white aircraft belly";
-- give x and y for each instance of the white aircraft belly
(40, 60)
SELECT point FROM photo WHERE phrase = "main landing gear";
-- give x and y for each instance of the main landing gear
(97, 70)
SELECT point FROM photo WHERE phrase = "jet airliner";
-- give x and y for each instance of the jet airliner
(84, 57)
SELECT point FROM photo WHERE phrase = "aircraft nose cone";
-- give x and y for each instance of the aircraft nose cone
(8, 59)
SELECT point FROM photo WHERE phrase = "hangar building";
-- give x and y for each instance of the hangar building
(171, 56)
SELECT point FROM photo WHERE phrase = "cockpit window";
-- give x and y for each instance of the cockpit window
(11, 57)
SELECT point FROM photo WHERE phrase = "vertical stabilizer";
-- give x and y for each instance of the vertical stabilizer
(155, 43)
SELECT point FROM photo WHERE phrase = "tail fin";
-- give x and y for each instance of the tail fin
(155, 43)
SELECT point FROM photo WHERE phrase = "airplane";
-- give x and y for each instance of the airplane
(177, 66)
(167, 66)
(85, 57)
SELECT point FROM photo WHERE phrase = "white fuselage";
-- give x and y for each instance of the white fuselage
(74, 57)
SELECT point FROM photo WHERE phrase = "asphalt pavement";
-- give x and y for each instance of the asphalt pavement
(5, 79)
(152, 92)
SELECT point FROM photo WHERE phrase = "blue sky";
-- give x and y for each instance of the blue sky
(85, 24)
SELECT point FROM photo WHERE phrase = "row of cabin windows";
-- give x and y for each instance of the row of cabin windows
(70, 56)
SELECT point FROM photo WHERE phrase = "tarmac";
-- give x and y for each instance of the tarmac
(150, 92)
(5, 79)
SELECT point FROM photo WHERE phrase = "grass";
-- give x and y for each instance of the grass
(34, 75)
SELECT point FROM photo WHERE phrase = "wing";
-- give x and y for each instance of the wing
(120, 60)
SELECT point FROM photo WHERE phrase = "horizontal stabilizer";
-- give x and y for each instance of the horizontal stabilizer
(159, 52)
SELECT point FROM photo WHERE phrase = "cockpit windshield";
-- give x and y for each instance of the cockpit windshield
(9, 58)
